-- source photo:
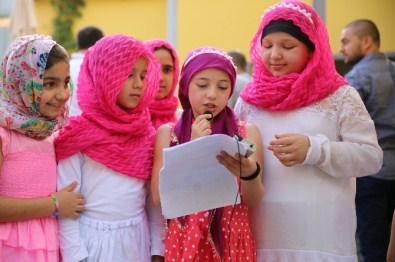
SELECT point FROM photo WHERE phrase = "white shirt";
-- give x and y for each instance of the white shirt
(308, 211)
(109, 196)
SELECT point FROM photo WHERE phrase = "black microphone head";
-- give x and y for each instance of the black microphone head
(208, 113)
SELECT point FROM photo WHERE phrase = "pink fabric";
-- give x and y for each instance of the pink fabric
(29, 170)
(164, 110)
(291, 91)
(120, 139)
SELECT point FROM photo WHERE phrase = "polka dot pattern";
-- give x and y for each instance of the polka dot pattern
(192, 240)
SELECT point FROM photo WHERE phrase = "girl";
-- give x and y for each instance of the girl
(163, 109)
(34, 90)
(108, 149)
(320, 138)
(207, 81)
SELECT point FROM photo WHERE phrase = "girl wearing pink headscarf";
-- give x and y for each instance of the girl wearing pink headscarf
(163, 109)
(108, 150)
(223, 234)
(34, 94)
(320, 138)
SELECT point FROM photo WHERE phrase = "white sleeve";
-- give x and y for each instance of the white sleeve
(71, 244)
(156, 223)
(357, 153)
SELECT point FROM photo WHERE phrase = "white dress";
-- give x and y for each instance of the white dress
(120, 222)
(308, 211)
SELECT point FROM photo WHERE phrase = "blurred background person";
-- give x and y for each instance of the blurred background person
(242, 78)
(86, 37)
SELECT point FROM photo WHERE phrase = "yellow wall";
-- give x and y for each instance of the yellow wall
(226, 24)
(382, 12)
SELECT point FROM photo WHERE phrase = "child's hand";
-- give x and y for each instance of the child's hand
(290, 149)
(201, 126)
(248, 165)
(70, 203)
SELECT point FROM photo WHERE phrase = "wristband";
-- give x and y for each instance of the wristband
(56, 202)
(254, 175)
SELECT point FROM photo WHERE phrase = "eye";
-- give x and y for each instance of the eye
(202, 85)
(167, 69)
(223, 87)
(142, 77)
(49, 84)
(288, 47)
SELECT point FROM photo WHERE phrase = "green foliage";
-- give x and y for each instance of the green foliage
(66, 12)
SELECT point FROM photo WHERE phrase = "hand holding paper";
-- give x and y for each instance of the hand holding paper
(192, 180)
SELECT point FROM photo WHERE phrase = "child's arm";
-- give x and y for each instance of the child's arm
(71, 245)
(162, 141)
(156, 223)
(16, 209)
(252, 190)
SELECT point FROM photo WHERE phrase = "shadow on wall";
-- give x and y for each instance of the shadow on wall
(343, 68)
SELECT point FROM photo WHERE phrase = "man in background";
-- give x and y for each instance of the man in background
(86, 37)
(242, 78)
(373, 76)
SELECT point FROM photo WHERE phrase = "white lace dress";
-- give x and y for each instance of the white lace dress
(308, 211)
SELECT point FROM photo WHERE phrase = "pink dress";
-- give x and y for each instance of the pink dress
(194, 241)
(222, 234)
(29, 171)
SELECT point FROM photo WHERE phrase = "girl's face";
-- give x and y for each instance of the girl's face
(133, 88)
(284, 54)
(209, 90)
(56, 90)
(167, 69)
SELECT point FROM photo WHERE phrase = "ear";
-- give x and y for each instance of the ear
(367, 42)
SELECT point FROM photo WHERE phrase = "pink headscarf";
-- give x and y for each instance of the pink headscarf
(196, 61)
(119, 139)
(164, 110)
(21, 87)
(291, 91)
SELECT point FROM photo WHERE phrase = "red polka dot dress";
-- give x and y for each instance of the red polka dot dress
(216, 235)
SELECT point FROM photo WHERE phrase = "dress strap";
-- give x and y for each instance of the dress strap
(173, 137)
(241, 125)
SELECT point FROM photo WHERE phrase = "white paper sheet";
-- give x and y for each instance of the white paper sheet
(192, 180)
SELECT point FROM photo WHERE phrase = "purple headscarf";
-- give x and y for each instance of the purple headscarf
(197, 60)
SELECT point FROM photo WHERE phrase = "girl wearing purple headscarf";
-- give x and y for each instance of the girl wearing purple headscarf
(223, 234)
(320, 138)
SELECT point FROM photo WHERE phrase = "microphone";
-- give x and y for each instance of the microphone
(208, 113)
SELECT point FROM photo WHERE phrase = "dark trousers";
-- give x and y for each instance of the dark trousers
(375, 203)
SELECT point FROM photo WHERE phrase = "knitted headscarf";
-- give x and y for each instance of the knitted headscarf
(164, 110)
(120, 139)
(295, 90)
(21, 87)
(196, 61)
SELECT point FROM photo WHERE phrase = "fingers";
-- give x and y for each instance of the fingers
(201, 126)
(70, 187)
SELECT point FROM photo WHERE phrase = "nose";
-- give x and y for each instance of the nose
(341, 49)
(211, 92)
(138, 83)
(276, 53)
(63, 93)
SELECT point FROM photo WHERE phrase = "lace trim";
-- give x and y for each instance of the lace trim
(345, 102)
(290, 6)
(209, 50)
